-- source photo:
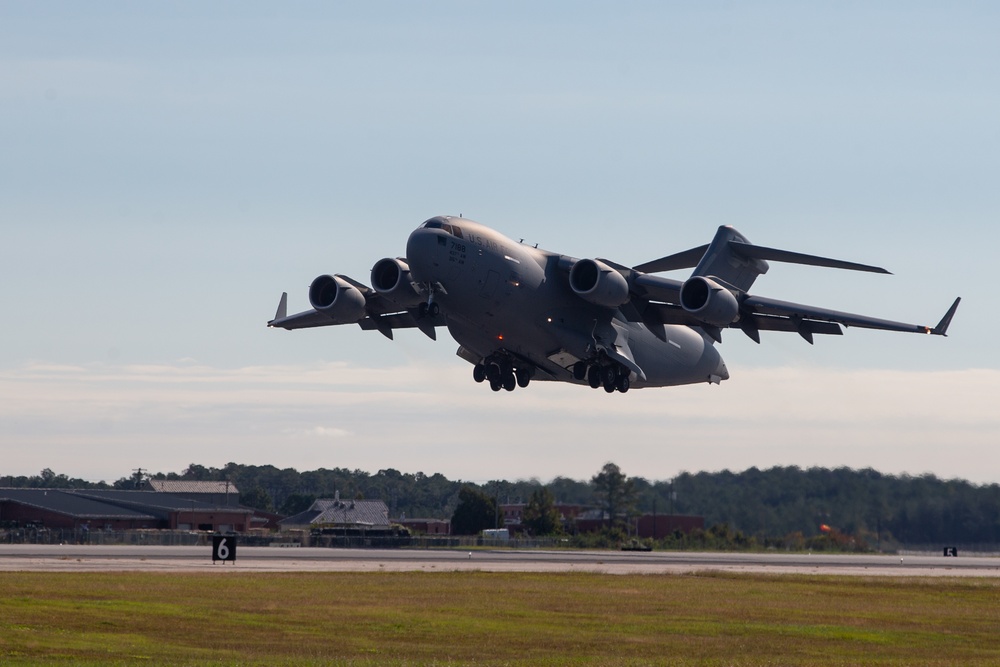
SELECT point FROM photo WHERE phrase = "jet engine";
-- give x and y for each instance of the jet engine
(598, 283)
(337, 299)
(391, 279)
(709, 301)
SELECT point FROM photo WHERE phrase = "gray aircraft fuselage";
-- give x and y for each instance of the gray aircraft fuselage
(501, 294)
(520, 313)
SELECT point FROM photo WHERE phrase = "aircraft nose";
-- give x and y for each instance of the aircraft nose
(422, 251)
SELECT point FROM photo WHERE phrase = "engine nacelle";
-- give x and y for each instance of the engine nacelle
(598, 283)
(391, 278)
(338, 299)
(709, 301)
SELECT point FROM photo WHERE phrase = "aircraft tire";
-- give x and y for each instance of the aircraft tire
(623, 384)
(433, 310)
(594, 377)
(610, 388)
(523, 376)
(610, 375)
(509, 382)
(495, 386)
(579, 370)
(479, 372)
(494, 373)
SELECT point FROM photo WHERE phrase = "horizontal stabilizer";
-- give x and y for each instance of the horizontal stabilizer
(763, 252)
(687, 259)
(691, 258)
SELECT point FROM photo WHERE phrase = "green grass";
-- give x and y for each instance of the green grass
(481, 618)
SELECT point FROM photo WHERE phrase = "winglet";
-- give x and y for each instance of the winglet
(942, 328)
(282, 311)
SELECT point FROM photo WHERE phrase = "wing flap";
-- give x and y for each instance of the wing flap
(774, 307)
(403, 320)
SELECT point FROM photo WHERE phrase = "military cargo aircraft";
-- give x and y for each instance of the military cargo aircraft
(520, 313)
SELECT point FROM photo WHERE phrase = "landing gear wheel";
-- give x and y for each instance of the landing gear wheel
(493, 373)
(523, 376)
(509, 382)
(479, 372)
(610, 375)
(579, 370)
(594, 377)
(495, 385)
(433, 310)
(623, 384)
(610, 388)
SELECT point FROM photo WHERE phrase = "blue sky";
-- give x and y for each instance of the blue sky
(167, 170)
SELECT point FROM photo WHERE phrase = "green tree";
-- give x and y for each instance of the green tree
(198, 472)
(475, 512)
(614, 491)
(540, 515)
(297, 503)
(257, 498)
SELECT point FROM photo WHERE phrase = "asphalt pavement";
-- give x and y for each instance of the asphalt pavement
(94, 558)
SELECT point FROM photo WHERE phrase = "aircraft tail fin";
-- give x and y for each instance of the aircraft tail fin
(723, 258)
(731, 258)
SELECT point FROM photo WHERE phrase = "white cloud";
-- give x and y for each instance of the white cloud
(323, 432)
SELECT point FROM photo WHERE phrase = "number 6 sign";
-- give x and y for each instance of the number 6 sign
(223, 548)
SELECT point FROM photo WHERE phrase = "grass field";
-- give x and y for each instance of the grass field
(483, 618)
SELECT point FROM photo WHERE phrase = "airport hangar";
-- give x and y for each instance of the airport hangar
(116, 510)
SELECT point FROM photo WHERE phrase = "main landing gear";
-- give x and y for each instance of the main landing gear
(606, 373)
(499, 369)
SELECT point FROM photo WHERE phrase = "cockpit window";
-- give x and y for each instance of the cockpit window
(439, 223)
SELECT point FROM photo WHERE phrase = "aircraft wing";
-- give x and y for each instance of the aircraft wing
(758, 308)
(380, 315)
(304, 320)
(658, 303)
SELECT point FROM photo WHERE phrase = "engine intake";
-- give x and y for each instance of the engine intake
(337, 299)
(709, 301)
(391, 278)
(598, 283)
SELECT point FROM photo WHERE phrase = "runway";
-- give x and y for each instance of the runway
(88, 558)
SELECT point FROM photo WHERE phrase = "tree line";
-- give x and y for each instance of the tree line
(779, 501)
